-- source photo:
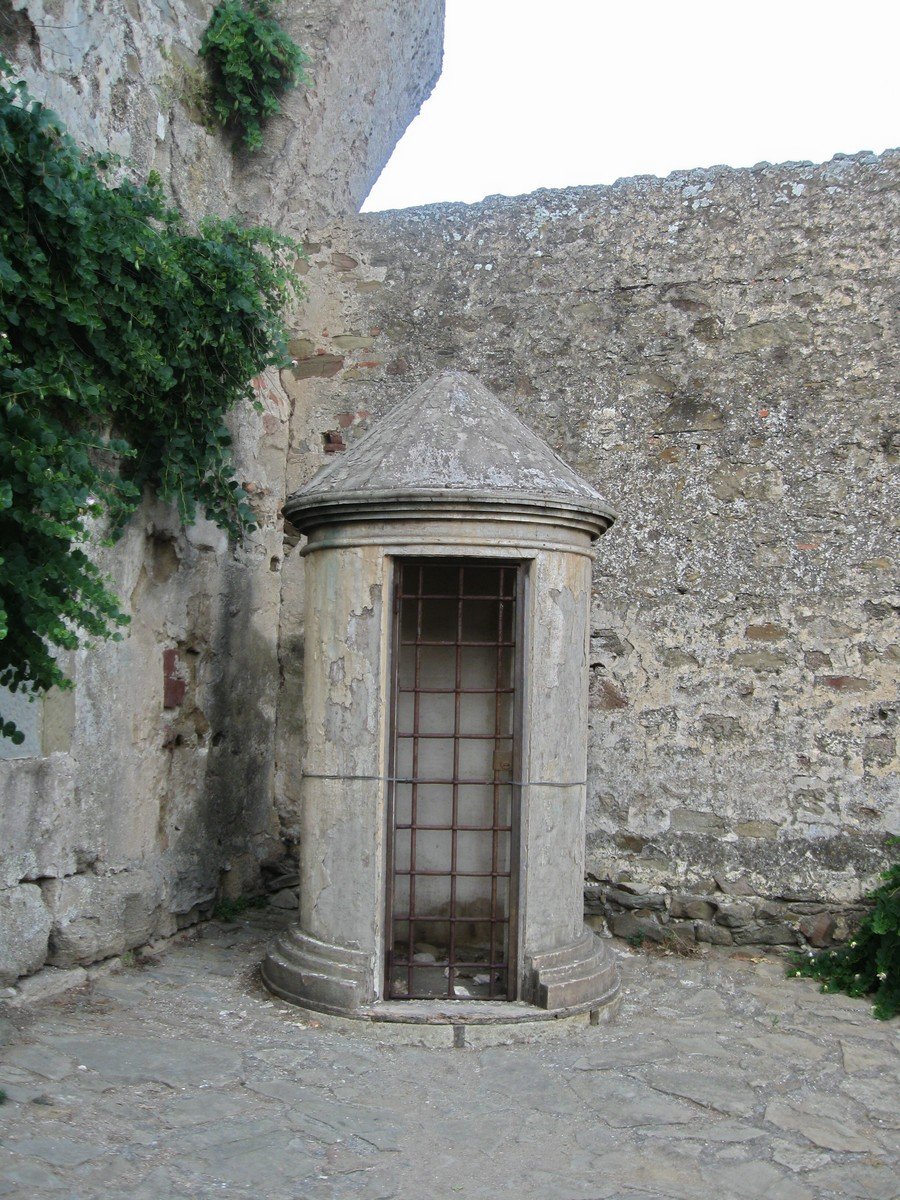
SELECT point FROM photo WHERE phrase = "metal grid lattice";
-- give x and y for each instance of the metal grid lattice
(453, 748)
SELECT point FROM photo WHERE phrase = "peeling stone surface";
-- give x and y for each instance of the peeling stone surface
(24, 931)
(183, 1078)
(98, 916)
(44, 833)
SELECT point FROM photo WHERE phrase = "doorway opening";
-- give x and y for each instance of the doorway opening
(454, 749)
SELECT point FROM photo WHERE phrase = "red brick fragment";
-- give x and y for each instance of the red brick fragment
(173, 686)
(343, 262)
(321, 365)
(846, 683)
(607, 695)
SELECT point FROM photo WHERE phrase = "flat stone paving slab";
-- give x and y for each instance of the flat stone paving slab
(183, 1078)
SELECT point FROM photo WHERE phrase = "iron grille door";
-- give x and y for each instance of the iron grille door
(453, 812)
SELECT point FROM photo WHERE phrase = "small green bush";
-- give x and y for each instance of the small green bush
(252, 62)
(869, 964)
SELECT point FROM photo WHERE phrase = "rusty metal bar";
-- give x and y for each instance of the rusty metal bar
(467, 949)
(461, 828)
(453, 874)
(496, 796)
(451, 974)
(458, 920)
(463, 737)
(471, 780)
(447, 642)
(414, 799)
(488, 597)
(452, 691)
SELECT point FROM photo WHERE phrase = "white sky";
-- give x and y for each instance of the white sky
(553, 93)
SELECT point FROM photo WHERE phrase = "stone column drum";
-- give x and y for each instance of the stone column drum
(450, 473)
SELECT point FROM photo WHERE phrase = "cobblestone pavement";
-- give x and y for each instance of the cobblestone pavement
(181, 1078)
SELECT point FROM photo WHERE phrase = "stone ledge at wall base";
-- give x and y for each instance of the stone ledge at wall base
(98, 916)
(45, 984)
(51, 930)
(639, 911)
(79, 919)
(49, 982)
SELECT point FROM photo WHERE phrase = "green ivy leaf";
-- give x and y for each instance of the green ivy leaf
(125, 340)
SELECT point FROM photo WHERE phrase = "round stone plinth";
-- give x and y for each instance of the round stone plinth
(462, 1023)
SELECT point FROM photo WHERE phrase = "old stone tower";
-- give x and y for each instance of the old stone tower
(712, 351)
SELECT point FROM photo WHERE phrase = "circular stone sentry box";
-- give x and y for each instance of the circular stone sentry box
(448, 583)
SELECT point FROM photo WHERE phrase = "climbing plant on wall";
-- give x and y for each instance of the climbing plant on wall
(125, 339)
(252, 63)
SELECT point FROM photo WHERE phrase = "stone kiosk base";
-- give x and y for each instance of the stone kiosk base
(319, 975)
(568, 988)
(470, 1024)
(583, 973)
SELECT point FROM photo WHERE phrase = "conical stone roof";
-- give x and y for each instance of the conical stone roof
(449, 440)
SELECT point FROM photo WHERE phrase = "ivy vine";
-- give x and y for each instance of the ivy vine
(125, 339)
(252, 63)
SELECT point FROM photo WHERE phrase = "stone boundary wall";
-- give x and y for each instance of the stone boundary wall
(149, 790)
(726, 914)
(713, 351)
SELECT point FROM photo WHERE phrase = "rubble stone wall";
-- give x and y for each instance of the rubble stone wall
(713, 351)
(149, 790)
